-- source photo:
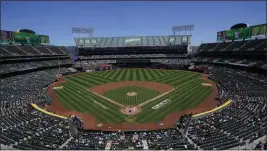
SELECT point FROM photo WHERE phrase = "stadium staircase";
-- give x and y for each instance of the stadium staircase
(30, 50)
(227, 47)
(4, 147)
(36, 50)
(145, 144)
(63, 52)
(22, 50)
(261, 44)
(250, 146)
(188, 139)
(108, 145)
(6, 112)
(50, 51)
(5, 51)
(215, 47)
(65, 143)
(191, 142)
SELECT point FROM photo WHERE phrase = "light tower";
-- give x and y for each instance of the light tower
(79, 37)
(185, 33)
(80, 34)
(183, 28)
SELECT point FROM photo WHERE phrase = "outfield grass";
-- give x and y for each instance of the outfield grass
(188, 93)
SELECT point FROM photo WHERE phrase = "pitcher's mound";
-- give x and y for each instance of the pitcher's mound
(130, 110)
(131, 93)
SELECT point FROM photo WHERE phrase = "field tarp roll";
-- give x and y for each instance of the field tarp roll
(213, 110)
(46, 112)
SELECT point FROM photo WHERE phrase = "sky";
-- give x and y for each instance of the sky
(108, 19)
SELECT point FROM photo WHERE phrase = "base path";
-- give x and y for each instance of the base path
(101, 89)
(164, 89)
(170, 120)
(107, 99)
(157, 97)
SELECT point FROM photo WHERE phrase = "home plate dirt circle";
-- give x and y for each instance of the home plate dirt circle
(131, 93)
(130, 110)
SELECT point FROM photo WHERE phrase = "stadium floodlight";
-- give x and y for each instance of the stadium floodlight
(82, 32)
(182, 28)
(78, 30)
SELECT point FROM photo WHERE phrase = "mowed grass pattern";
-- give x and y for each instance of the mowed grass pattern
(120, 95)
(188, 93)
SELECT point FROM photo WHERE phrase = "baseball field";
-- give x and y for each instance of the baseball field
(132, 96)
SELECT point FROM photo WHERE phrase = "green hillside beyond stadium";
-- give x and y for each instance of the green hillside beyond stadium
(78, 94)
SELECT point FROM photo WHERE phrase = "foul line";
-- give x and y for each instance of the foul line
(157, 97)
(46, 112)
(105, 98)
(140, 105)
(213, 110)
(196, 115)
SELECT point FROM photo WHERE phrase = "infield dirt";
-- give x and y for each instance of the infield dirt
(162, 88)
(90, 121)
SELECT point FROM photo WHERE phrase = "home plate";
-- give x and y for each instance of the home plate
(206, 84)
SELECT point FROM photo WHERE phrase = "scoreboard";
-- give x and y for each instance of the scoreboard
(256, 31)
(8, 37)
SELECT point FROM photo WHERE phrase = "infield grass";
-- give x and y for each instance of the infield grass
(142, 94)
(188, 93)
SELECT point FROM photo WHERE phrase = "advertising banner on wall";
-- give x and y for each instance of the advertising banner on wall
(37, 39)
(229, 35)
(42, 39)
(6, 37)
(234, 34)
(23, 38)
(238, 34)
(258, 31)
(221, 36)
(247, 33)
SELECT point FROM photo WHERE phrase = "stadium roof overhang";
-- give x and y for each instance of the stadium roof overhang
(134, 41)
